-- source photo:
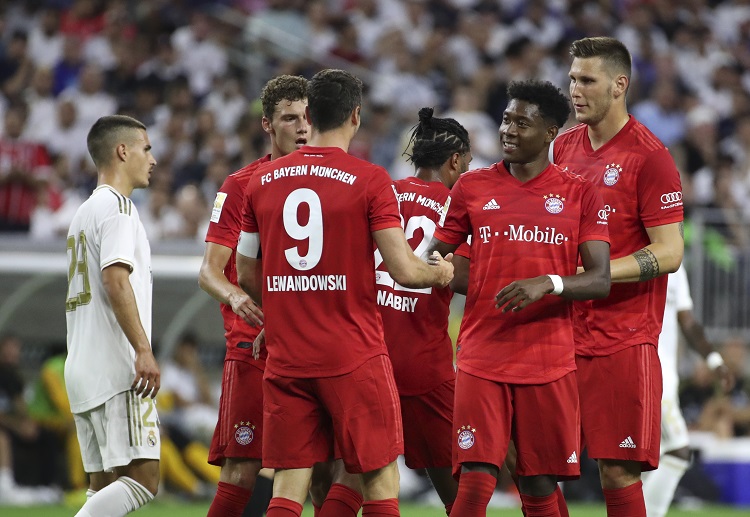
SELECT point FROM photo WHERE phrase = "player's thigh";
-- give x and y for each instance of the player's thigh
(620, 398)
(90, 454)
(366, 414)
(546, 428)
(131, 430)
(239, 429)
(428, 427)
(297, 428)
(482, 421)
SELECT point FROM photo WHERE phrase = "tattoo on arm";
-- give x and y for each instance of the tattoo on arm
(681, 227)
(647, 263)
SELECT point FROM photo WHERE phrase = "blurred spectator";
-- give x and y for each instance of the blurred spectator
(89, 97)
(201, 58)
(66, 70)
(15, 66)
(662, 113)
(191, 205)
(45, 39)
(227, 103)
(84, 18)
(42, 106)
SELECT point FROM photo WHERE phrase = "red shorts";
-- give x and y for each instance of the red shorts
(621, 405)
(428, 427)
(542, 419)
(355, 416)
(239, 430)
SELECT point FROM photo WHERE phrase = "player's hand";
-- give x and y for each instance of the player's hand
(445, 266)
(147, 377)
(260, 340)
(724, 378)
(521, 293)
(244, 307)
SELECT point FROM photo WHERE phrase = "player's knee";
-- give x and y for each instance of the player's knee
(683, 453)
(618, 473)
(537, 486)
(241, 473)
(382, 483)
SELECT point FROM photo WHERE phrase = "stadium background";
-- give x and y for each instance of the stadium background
(192, 71)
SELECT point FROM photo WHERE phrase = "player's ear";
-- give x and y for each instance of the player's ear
(356, 116)
(122, 152)
(551, 134)
(267, 127)
(621, 85)
(307, 115)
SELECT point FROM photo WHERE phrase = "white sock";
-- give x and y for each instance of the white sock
(118, 499)
(659, 485)
(90, 493)
(6, 478)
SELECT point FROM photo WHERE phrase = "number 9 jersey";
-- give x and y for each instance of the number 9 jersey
(314, 211)
(106, 230)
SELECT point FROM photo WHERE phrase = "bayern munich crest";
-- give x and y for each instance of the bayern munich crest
(466, 437)
(244, 433)
(612, 174)
(553, 203)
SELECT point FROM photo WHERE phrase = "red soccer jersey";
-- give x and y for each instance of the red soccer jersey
(315, 210)
(640, 186)
(519, 230)
(224, 229)
(415, 321)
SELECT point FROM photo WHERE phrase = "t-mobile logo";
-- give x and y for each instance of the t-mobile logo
(484, 233)
(547, 235)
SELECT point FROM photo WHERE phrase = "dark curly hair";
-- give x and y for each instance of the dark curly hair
(284, 87)
(553, 105)
(435, 139)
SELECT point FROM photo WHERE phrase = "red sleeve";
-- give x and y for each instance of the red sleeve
(593, 224)
(455, 225)
(382, 202)
(659, 190)
(464, 250)
(249, 224)
(226, 214)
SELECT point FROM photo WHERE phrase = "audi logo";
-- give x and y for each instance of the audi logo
(672, 197)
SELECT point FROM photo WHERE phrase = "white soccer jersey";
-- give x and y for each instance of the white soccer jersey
(101, 362)
(678, 299)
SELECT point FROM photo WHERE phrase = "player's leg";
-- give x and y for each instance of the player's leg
(344, 495)
(237, 442)
(322, 479)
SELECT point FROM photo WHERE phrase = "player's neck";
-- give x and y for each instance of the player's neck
(604, 131)
(524, 172)
(339, 137)
(427, 174)
(116, 181)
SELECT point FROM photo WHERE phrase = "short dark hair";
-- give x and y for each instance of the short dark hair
(553, 105)
(435, 139)
(332, 96)
(107, 133)
(284, 87)
(612, 51)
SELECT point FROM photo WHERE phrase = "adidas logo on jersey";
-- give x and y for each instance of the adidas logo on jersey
(627, 443)
(573, 458)
(491, 205)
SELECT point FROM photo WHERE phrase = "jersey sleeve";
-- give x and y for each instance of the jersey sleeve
(455, 225)
(249, 223)
(226, 214)
(659, 190)
(383, 209)
(118, 235)
(464, 250)
(593, 224)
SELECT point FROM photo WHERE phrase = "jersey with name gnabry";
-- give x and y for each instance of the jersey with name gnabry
(640, 186)
(315, 210)
(535, 231)
(105, 231)
(415, 321)
(224, 229)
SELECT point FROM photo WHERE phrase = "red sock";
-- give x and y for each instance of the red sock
(280, 507)
(341, 501)
(541, 506)
(474, 492)
(448, 508)
(316, 511)
(561, 504)
(625, 502)
(381, 508)
(229, 501)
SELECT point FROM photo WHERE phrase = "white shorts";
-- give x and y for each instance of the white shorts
(674, 432)
(123, 429)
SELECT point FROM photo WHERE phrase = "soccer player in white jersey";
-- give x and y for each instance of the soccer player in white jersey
(110, 372)
(659, 485)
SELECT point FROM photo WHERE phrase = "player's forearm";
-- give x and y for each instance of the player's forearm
(122, 300)
(217, 285)
(250, 277)
(417, 274)
(694, 334)
(460, 282)
(654, 260)
(589, 285)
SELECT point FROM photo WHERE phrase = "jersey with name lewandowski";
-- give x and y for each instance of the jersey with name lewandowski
(315, 210)
(640, 186)
(105, 231)
(224, 229)
(519, 230)
(415, 321)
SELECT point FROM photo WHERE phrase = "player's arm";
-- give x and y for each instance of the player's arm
(116, 279)
(212, 280)
(595, 258)
(460, 282)
(661, 257)
(405, 267)
(696, 339)
(250, 266)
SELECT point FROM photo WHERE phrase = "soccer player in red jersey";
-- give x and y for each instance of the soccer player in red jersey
(306, 250)
(529, 222)
(415, 321)
(236, 445)
(619, 376)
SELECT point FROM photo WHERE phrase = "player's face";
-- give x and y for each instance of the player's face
(524, 135)
(590, 89)
(289, 128)
(141, 161)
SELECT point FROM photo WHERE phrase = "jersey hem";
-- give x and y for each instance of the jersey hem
(558, 373)
(307, 373)
(83, 407)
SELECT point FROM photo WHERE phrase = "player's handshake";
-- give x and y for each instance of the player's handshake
(444, 272)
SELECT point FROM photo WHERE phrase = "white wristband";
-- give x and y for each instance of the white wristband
(714, 360)
(557, 283)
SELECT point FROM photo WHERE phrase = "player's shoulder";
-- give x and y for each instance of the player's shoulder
(567, 175)
(645, 142)
(478, 175)
(106, 201)
(571, 134)
(414, 184)
(243, 175)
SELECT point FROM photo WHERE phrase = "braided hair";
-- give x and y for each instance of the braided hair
(434, 140)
